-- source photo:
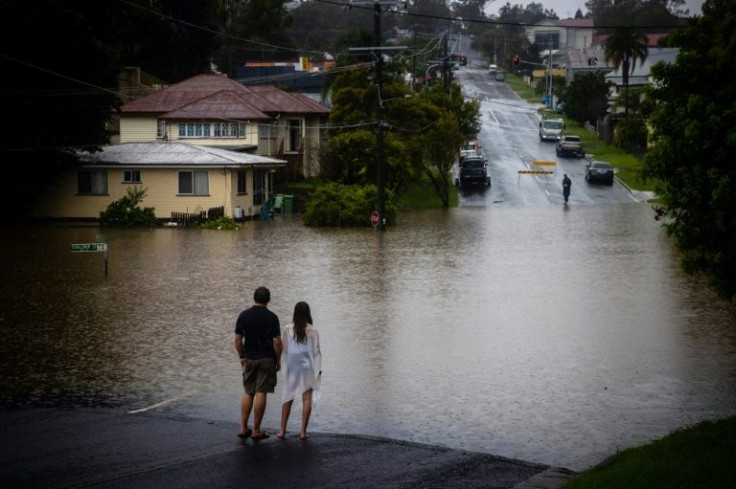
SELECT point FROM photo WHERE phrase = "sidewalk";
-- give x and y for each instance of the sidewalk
(56, 448)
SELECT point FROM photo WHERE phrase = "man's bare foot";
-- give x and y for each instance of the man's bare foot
(259, 435)
(281, 435)
(245, 434)
(303, 436)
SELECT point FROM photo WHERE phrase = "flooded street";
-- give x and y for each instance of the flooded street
(552, 335)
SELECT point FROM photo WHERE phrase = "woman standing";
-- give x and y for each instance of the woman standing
(301, 363)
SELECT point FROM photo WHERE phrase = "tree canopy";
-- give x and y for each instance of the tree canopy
(694, 142)
(623, 48)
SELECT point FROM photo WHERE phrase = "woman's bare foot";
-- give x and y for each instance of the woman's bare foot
(281, 435)
(303, 436)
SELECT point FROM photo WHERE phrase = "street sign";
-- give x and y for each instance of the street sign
(89, 247)
(374, 218)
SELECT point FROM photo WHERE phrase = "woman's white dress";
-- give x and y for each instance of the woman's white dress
(301, 364)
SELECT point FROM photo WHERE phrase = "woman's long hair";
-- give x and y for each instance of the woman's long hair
(302, 317)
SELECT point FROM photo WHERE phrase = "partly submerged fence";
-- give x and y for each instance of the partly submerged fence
(196, 218)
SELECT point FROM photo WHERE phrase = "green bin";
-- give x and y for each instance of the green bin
(278, 202)
(288, 203)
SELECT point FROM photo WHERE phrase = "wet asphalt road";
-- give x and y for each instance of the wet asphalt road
(57, 448)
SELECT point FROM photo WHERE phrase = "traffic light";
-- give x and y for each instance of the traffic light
(516, 60)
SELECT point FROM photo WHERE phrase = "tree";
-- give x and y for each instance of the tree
(60, 94)
(587, 97)
(693, 143)
(623, 48)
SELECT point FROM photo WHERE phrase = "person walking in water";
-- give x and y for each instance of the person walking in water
(302, 367)
(566, 183)
(258, 343)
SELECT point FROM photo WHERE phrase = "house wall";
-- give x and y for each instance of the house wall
(135, 129)
(62, 201)
(144, 129)
(578, 38)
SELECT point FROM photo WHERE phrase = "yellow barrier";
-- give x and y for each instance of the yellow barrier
(536, 172)
(544, 163)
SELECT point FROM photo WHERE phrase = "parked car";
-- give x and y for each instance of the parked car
(473, 171)
(599, 171)
(492, 70)
(570, 145)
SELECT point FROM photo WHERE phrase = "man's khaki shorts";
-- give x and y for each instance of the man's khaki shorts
(259, 375)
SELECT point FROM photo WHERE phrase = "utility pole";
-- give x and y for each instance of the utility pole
(549, 71)
(378, 52)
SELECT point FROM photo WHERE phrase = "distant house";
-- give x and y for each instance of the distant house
(553, 34)
(205, 142)
(641, 74)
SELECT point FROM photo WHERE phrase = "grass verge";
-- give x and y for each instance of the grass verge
(701, 456)
(422, 195)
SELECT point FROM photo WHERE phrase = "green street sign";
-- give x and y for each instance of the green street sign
(89, 247)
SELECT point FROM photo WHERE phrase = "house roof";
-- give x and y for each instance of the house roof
(580, 23)
(640, 75)
(583, 23)
(220, 105)
(174, 155)
(214, 96)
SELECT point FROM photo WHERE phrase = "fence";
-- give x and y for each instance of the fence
(196, 218)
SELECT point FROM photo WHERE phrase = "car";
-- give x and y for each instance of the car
(599, 171)
(570, 145)
(492, 70)
(500, 76)
(560, 108)
(551, 129)
(473, 171)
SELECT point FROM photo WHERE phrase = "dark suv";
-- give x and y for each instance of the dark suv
(473, 171)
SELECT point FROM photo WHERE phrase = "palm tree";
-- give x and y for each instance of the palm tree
(623, 48)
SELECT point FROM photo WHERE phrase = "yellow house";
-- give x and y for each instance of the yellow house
(205, 142)
(177, 177)
(215, 111)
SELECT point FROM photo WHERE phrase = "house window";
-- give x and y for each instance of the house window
(295, 135)
(131, 176)
(242, 182)
(211, 129)
(92, 182)
(260, 186)
(161, 130)
(544, 39)
(194, 183)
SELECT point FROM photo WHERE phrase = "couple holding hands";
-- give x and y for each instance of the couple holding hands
(265, 349)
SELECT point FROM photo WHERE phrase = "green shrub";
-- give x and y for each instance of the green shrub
(221, 223)
(345, 205)
(125, 211)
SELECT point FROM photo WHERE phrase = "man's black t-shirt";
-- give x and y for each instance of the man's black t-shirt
(258, 326)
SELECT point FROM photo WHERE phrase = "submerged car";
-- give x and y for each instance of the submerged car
(473, 171)
(599, 171)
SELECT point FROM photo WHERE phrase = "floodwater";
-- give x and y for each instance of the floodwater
(548, 335)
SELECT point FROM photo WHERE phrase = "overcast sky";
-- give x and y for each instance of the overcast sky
(566, 8)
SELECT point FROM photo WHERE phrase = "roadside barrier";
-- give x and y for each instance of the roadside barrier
(539, 172)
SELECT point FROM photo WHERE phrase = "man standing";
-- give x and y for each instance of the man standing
(566, 183)
(258, 343)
